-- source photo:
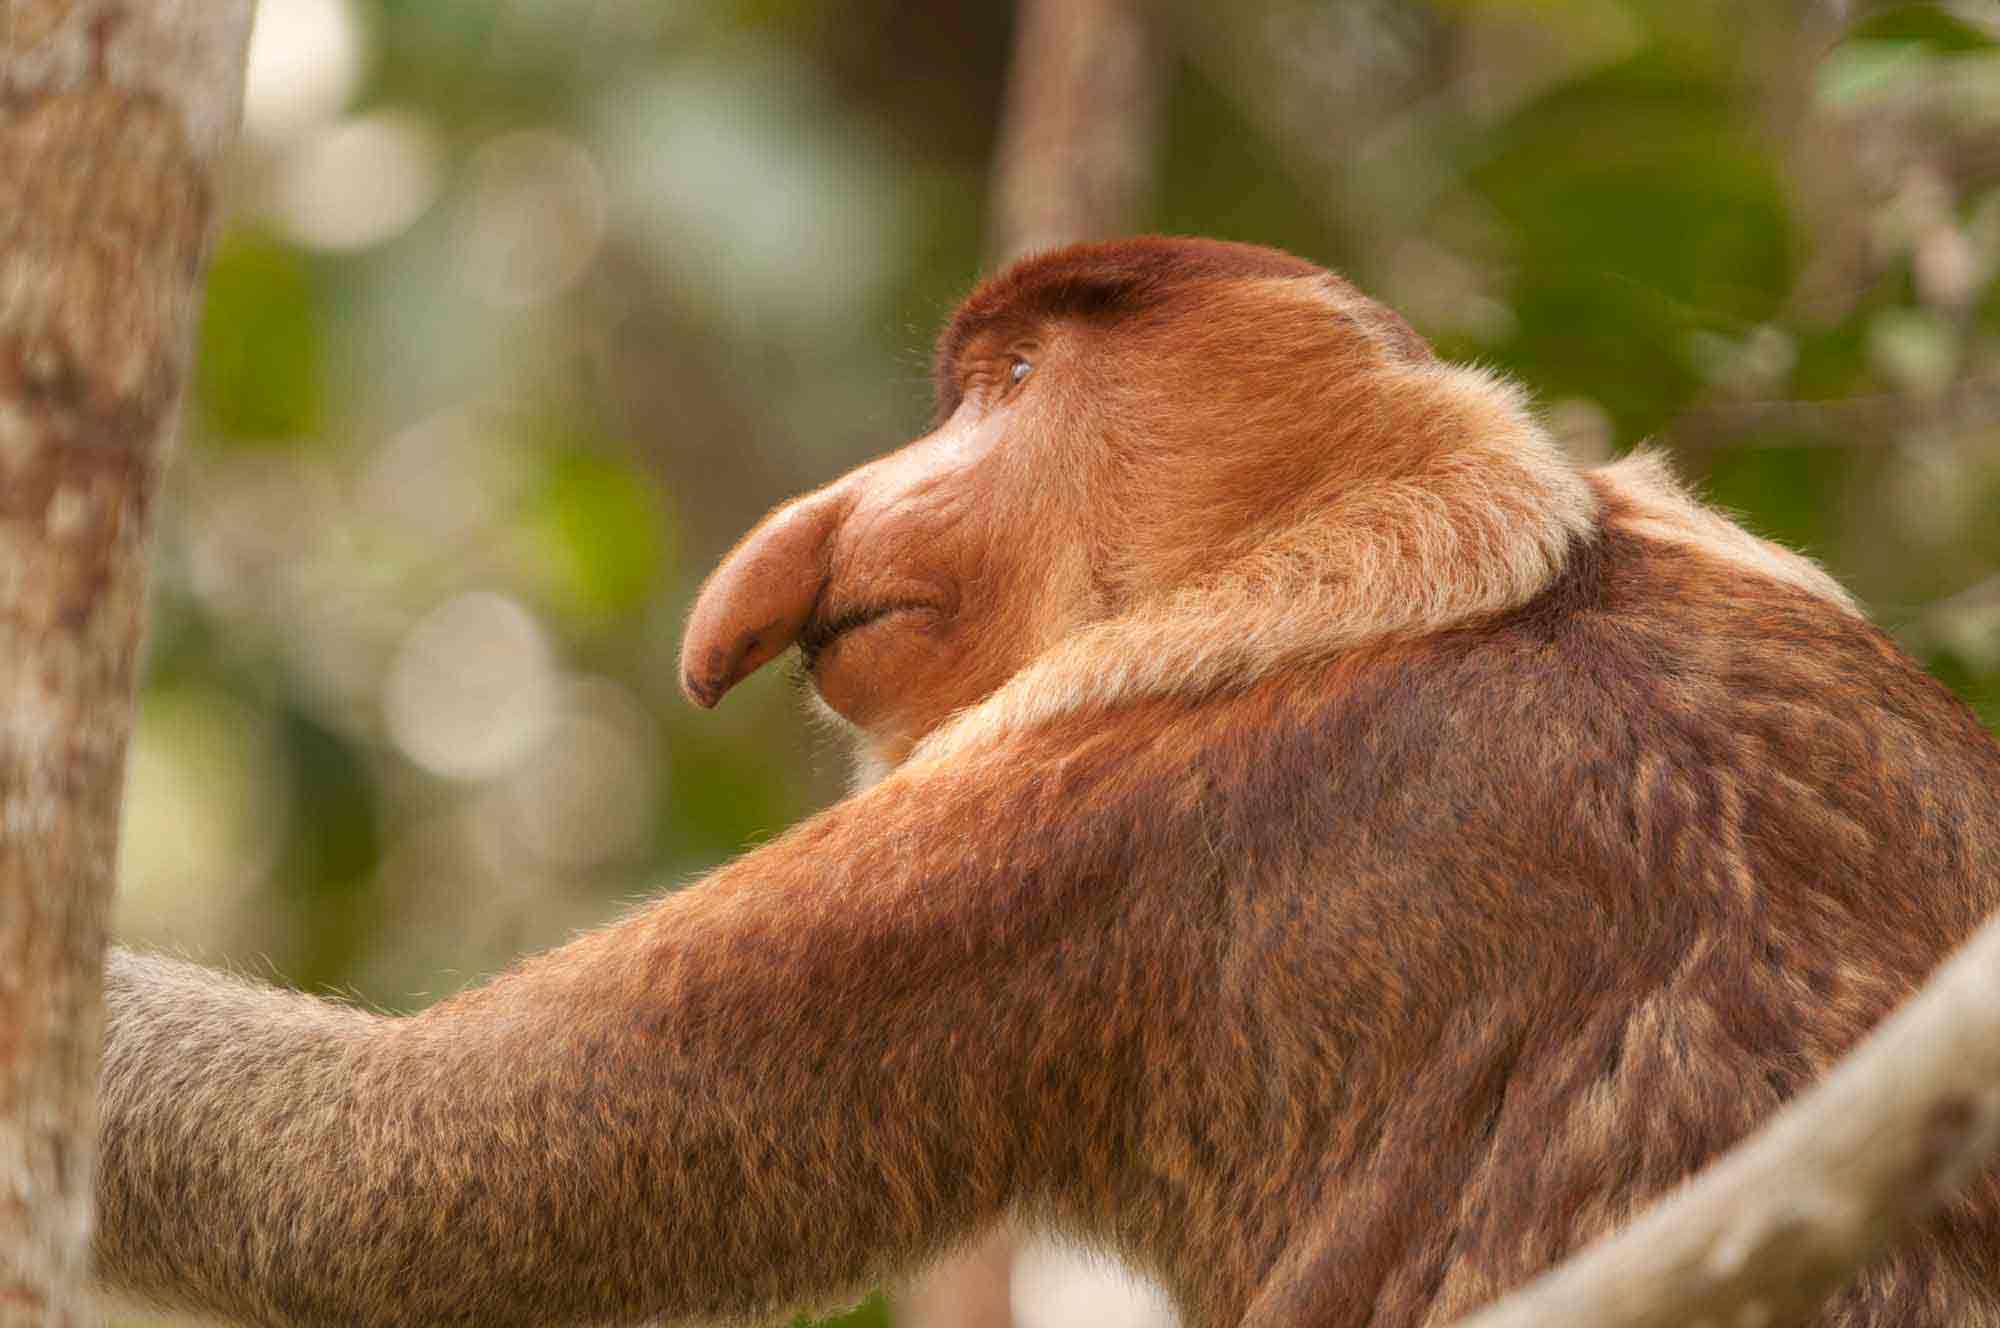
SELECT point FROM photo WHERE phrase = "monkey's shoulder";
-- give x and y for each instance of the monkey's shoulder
(1657, 720)
(1655, 660)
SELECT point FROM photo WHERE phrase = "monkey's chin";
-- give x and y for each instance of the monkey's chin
(876, 674)
(872, 756)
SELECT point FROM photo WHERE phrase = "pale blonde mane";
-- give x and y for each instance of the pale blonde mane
(1660, 507)
(1481, 523)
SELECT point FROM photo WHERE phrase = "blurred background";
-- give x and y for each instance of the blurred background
(526, 308)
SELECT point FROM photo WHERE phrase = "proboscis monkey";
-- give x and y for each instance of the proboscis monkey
(1334, 854)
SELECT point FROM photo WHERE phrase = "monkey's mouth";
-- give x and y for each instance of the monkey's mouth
(823, 629)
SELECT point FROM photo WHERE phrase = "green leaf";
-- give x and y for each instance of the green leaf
(259, 374)
(596, 536)
(1934, 26)
(1980, 690)
(1789, 494)
(1894, 50)
(1644, 207)
(327, 871)
(1859, 71)
(870, 1313)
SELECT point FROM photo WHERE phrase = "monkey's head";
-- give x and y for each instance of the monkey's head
(1112, 420)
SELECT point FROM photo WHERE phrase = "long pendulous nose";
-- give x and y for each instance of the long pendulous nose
(760, 597)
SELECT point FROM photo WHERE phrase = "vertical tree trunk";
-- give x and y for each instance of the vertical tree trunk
(112, 116)
(1079, 138)
(1080, 132)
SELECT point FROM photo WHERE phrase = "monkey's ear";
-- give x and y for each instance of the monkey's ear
(758, 600)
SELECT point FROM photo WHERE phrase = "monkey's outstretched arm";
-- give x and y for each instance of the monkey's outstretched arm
(831, 1059)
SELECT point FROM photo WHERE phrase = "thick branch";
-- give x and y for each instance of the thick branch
(112, 117)
(1768, 1232)
(1879, 420)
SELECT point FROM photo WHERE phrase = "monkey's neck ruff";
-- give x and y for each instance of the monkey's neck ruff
(1480, 520)
(1648, 500)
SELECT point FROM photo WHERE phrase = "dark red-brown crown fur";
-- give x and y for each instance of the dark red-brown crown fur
(1097, 280)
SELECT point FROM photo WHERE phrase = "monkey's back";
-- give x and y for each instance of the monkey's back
(1601, 885)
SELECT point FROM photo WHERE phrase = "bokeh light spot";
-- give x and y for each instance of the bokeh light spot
(306, 59)
(359, 182)
(533, 218)
(472, 689)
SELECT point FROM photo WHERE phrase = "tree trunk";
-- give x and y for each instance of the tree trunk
(112, 117)
(1079, 138)
(1080, 133)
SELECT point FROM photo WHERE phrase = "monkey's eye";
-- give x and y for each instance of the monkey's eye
(1020, 369)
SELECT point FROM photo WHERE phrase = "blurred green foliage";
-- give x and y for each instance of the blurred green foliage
(1643, 210)
(596, 534)
(527, 309)
(260, 372)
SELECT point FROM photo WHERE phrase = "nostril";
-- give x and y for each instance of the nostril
(700, 690)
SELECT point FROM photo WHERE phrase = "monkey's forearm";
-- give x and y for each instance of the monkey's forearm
(602, 1136)
(220, 1108)
(834, 1058)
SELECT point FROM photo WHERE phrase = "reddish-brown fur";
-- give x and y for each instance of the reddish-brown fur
(1351, 982)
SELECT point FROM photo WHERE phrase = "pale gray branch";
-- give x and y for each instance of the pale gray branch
(1837, 1179)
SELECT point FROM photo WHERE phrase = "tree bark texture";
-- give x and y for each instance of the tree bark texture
(1080, 132)
(113, 114)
